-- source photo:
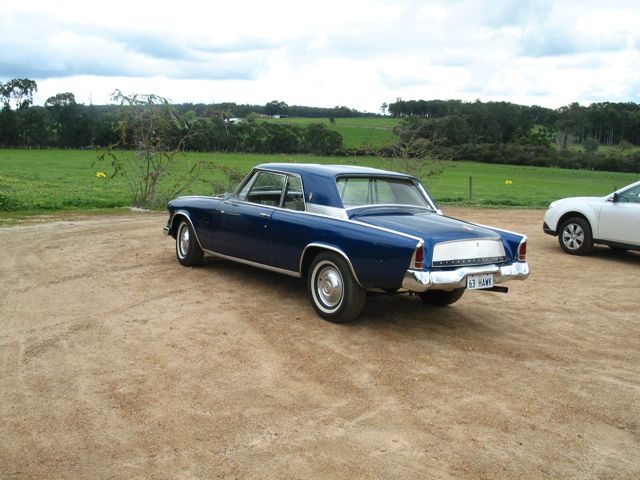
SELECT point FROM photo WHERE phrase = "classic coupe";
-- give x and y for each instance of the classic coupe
(580, 222)
(348, 231)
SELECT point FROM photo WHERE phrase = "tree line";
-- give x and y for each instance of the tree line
(495, 132)
(64, 123)
(459, 122)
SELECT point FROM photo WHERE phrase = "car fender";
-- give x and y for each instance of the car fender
(175, 220)
(308, 253)
(567, 208)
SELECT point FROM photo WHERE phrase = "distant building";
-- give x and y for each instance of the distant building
(279, 116)
(234, 120)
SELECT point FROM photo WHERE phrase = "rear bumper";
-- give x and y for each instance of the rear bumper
(421, 281)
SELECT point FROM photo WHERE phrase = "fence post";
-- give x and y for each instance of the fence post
(470, 188)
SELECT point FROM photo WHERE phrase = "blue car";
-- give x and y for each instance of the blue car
(347, 231)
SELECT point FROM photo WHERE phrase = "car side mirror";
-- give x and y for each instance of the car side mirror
(615, 198)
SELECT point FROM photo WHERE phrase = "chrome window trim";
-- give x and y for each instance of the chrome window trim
(331, 212)
(428, 209)
(277, 172)
(336, 213)
(423, 191)
(332, 248)
(341, 219)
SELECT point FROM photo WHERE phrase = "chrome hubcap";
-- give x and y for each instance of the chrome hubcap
(329, 286)
(573, 236)
(183, 242)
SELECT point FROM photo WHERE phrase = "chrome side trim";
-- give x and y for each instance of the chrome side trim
(333, 212)
(421, 281)
(388, 230)
(498, 229)
(185, 214)
(333, 249)
(290, 273)
(321, 213)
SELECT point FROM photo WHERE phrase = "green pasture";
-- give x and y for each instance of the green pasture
(357, 132)
(58, 180)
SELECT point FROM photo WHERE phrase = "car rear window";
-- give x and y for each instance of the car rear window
(358, 191)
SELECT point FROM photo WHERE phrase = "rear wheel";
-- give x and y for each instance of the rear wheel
(575, 236)
(441, 298)
(188, 250)
(333, 290)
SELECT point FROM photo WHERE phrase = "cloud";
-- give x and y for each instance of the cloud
(67, 49)
(509, 13)
(550, 41)
(358, 53)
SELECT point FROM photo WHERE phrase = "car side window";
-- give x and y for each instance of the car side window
(265, 189)
(631, 195)
(293, 195)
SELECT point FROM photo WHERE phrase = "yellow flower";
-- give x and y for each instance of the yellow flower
(508, 182)
(101, 175)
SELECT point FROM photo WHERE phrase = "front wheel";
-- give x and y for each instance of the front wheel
(441, 298)
(333, 290)
(188, 250)
(575, 236)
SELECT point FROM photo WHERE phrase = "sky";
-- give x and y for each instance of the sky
(357, 53)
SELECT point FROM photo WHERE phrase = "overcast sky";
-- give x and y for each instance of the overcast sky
(358, 53)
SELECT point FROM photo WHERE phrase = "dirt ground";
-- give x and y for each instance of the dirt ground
(116, 362)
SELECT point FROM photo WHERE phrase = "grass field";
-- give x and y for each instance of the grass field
(356, 132)
(39, 181)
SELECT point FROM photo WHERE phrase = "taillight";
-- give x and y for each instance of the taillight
(522, 251)
(418, 257)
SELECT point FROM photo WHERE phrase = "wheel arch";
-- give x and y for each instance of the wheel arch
(313, 249)
(175, 221)
(573, 214)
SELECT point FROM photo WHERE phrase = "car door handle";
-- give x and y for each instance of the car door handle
(265, 215)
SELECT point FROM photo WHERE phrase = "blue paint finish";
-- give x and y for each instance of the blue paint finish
(511, 241)
(378, 241)
(430, 227)
(320, 180)
(379, 258)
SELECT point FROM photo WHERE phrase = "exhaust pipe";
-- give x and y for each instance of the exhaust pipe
(496, 289)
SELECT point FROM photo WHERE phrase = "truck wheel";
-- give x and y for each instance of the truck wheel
(188, 251)
(575, 236)
(441, 298)
(333, 290)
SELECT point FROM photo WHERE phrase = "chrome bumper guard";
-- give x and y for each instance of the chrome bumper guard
(166, 229)
(420, 281)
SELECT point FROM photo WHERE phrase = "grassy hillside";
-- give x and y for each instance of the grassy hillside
(356, 132)
(49, 180)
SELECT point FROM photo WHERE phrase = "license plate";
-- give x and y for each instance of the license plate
(475, 282)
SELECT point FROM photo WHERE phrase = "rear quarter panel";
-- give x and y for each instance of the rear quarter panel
(379, 258)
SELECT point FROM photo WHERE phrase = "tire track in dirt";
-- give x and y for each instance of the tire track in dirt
(49, 342)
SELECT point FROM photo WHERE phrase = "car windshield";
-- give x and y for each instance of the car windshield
(361, 191)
